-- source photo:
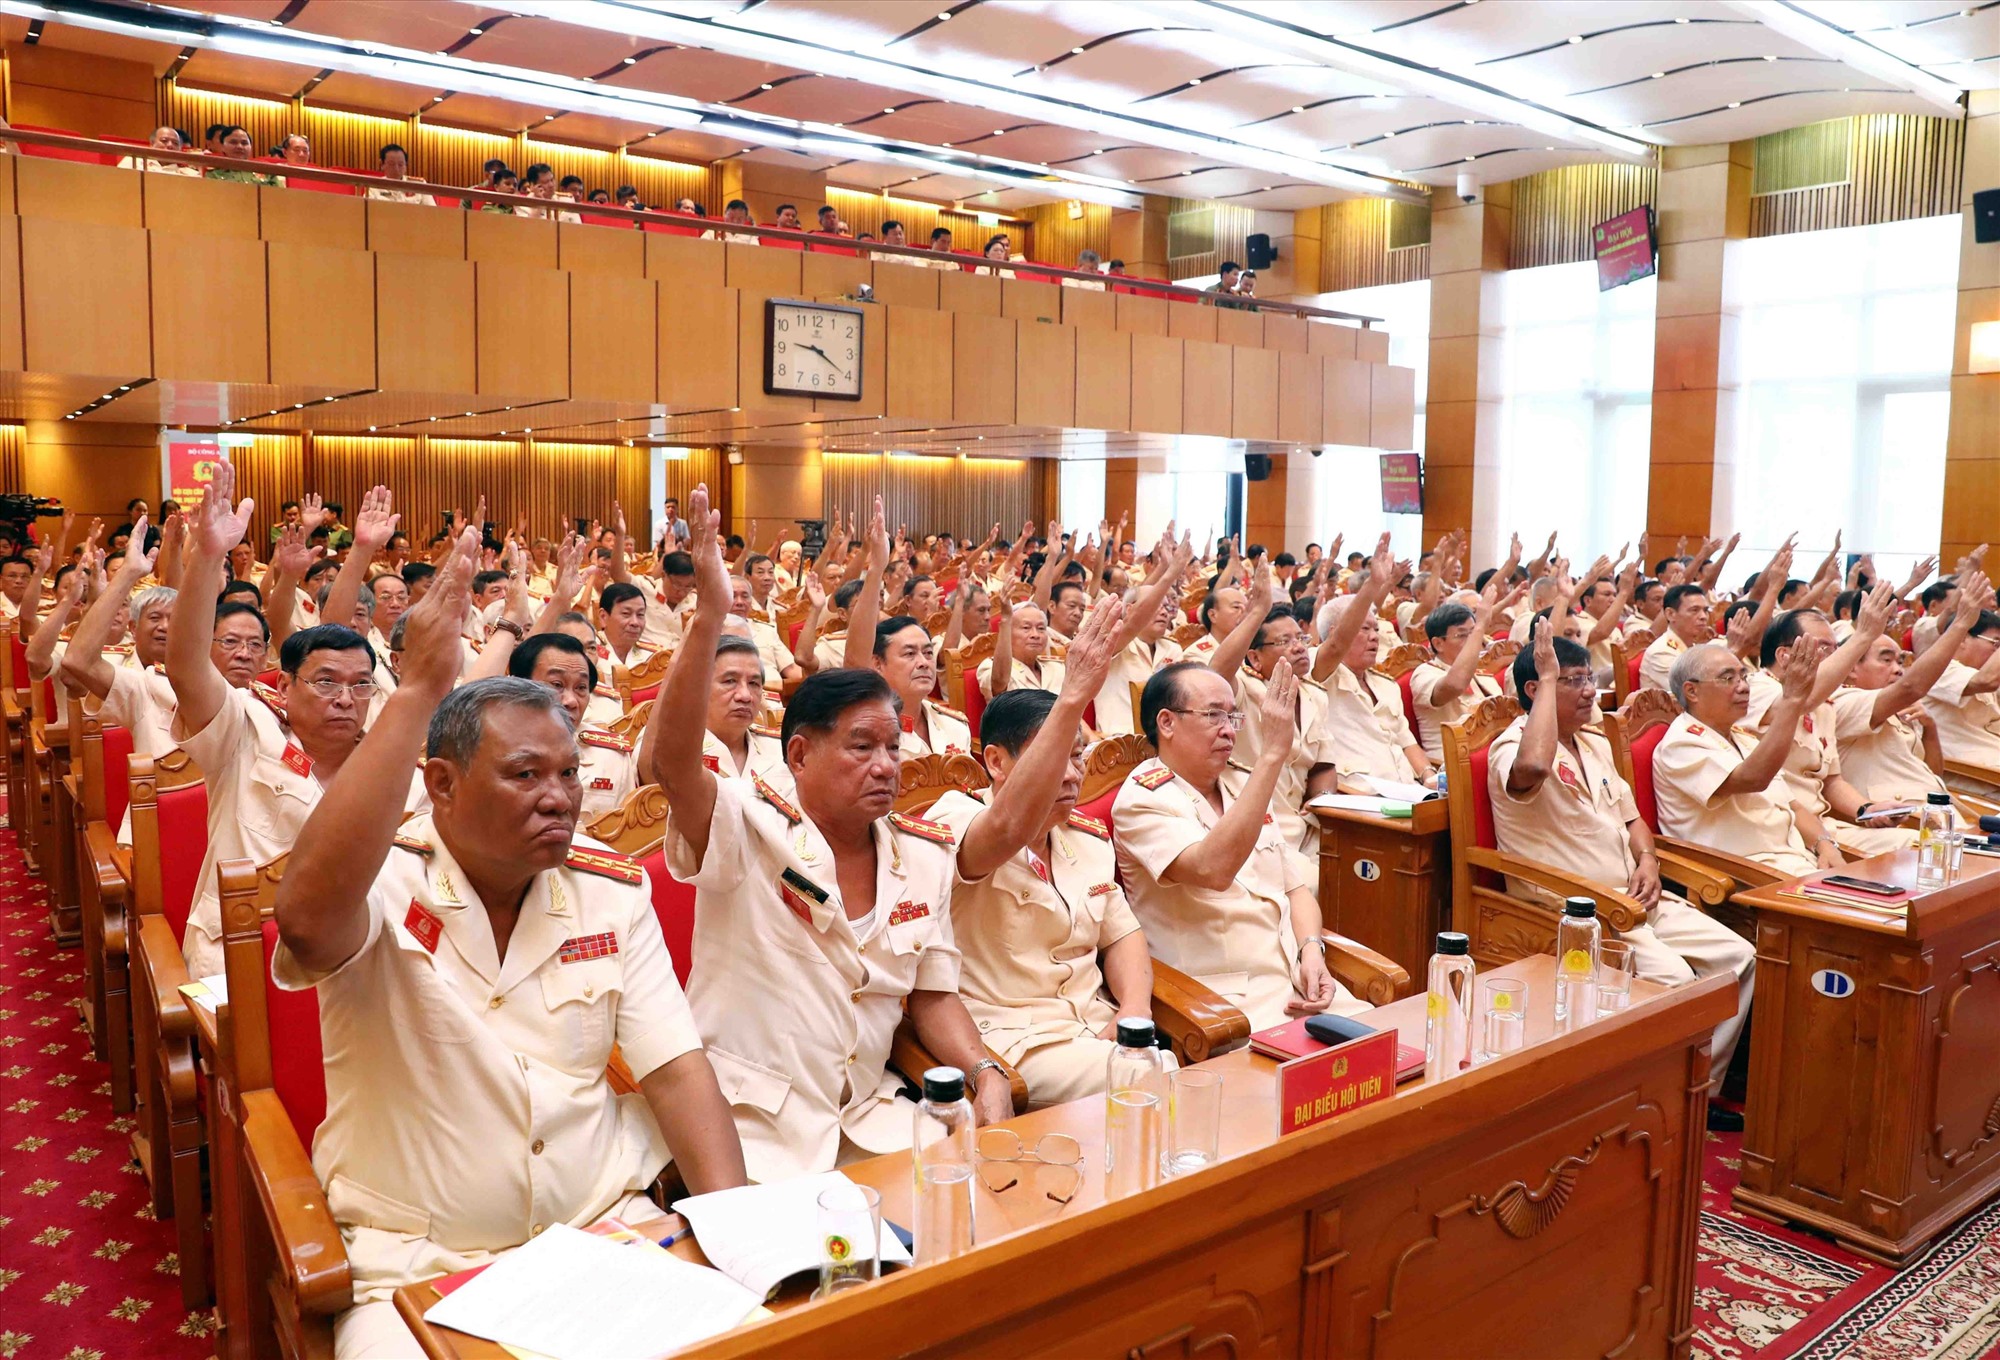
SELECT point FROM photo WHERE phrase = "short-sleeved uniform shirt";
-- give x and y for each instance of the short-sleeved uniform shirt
(142, 702)
(1657, 664)
(1047, 674)
(1968, 726)
(467, 1107)
(1433, 718)
(1117, 714)
(665, 623)
(1364, 729)
(764, 759)
(605, 768)
(1885, 763)
(1690, 763)
(1815, 754)
(1575, 819)
(1308, 750)
(950, 735)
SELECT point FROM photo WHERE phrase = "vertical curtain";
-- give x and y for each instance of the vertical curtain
(963, 496)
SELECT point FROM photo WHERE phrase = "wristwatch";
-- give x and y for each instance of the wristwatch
(504, 625)
(972, 1073)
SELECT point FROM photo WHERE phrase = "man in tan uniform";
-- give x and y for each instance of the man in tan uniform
(1247, 658)
(1151, 615)
(826, 899)
(605, 761)
(1684, 611)
(1038, 903)
(737, 743)
(1450, 685)
(1365, 731)
(1221, 895)
(1717, 784)
(1558, 799)
(1965, 701)
(131, 687)
(1024, 640)
(474, 970)
(906, 657)
(1221, 610)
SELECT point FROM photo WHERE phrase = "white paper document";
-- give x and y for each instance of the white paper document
(1401, 793)
(573, 1295)
(1354, 802)
(210, 993)
(759, 1235)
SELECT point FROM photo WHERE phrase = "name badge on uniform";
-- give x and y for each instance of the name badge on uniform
(713, 764)
(296, 760)
(601, 783)
(1103, 889)
(800, 894)
(426, 927)
(583, 948)
(905, 912)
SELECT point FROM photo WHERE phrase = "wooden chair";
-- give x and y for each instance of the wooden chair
(1503, 926)
(961, 678)
(169, 839)
(1498, 658)
(15, 703)
(51, 817)
(1980, 783)
(1185, 634)
(1399, 665)
(636, 684)
(633, 725)
(1626, 654)
(927, 778)
(102, 755)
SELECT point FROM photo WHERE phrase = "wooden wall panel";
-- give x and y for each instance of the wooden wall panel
(1372, 346)
(920, 364)
(1205, 396)
(1346, 392)
(523, 330)
(322, 315)
(1332, 340)
(412, 229)
(83, 269)
(1156, 384)
(1086, 307)
(510, 242)
(75, 192)
(600, 250)
(1301, 398)
(201, 207)
(1143, 315)
(13, 449)
(65, 87)
(8, 205)
(424, 335)
(698, 348)
(977, 294)
(1103, 378)
(684, 261)
(1190, 321)
(1030, 302)
(827, 278)
(93, 467)
(1897, 166)
(982, 378)
(1253, 402)
(548, 483)
(1392, 405)
(1286, 334)
(613, 337)
(1045, 376)
(903, 285)
(1233, 327)
(1555, 210)
(310, 219)
(750, 350)
(762, 269)
(11, 321)
(1364, 242)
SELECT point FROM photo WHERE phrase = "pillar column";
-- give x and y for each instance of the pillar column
(1280, 510)
(1139, 237)
(1462, 426)
(1972, 444)
(1703, 204)
(774, 485)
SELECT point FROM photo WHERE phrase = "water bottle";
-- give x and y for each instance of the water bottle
(1448, 1008)
(1937, 830)
(1443, 791)
(943, 1158)
(1135, 1110)
(1579, 940)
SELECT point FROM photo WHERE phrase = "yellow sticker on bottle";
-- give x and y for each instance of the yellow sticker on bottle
(1577, 961)
(1434, 1006)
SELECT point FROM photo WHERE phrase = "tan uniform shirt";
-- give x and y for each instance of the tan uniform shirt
(1030, 933)
(605, 768)
(950, 734)
(467, 1108)
(1236, 941)
(772, 651)
(1288, 800)
(765, 758)
(1201, 649)
(1815, 754)
(1364, 731)
(1432, 719)
(796, 1002)
(1117, 713)
(142, 702)
(416, 196)
(830, 650)
(1050, 677)
(1689, 764)
(665, 623)
(1658, 662)
(1576, 818)
(1885, 763)
(1924, 632)
(1968, 726)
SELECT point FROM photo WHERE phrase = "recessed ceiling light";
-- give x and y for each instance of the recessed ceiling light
(1472, 158)
(999, 132)
(1735, 103)
(550, 119)
(434, 419)
(1576, 38)
(477, 31)
(944, 16)
(1770, 59)
(765, 86)
(1471, 122)
(1680, 21)
(1298, 108)
(1659, 75)
(371, 429)
(631, 61)
(1076, 51)
(1195, 81)
(890, 109)
(947, 145)
(1548, 148)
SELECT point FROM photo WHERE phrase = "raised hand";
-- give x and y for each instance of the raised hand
(1088, 659)
(711, 574)
(878, 537)
(1742, 633)
(1276, 718)
(1542, 640)
(1872, 620)
(432, 655)
(1796, 668)
(312, 512)
(217, 527)
(1382, 566)
(375, 523)
(815, 591)
(1974, 594)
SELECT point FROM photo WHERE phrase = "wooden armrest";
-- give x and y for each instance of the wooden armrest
(619, 1073)
(101, 851)
(1375, 978)
(1619, 910)
(1978, 774)
(306, 1240)
(908, 1055)
(1748, 873)
(163, 972)
(1200, 1023)
(121, 859)
(1698, 883)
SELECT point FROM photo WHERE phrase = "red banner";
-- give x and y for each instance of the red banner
(1402, 484)
(191, 460)
(1322, 1086)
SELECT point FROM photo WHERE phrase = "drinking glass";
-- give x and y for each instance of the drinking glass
(1615, 969)
(1504, 1016)
(1194, 1119)
(850, 1236)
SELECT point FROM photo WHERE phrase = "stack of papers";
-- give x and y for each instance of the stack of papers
(1390, 788)
(209, 993)
(762, 1235)
(1360, 802)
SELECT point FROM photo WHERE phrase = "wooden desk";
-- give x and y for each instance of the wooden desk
(1875, 1116)
(1386, 881)
(1546, 1203)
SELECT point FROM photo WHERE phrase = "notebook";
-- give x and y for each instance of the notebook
(1290, 1040)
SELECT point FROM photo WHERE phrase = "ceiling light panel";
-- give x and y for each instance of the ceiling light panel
(1938, 35)
(428, 27)
(709, 77)
(1827, 37)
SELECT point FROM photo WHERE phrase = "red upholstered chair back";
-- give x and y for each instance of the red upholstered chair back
(1409, 699)
(298, 1064)
(1481, 794)
(17, 648)
(1632, 673)
(1100, 806)
(320, 186)
(57, 153)
(673, 903)
(1643, 747)
(183, 815)
(975, 702)
(117, 752)
(270, 677)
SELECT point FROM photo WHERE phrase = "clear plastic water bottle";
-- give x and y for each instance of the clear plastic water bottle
(1579, 941)
(1443, 791)
(1135, 1110)
(1936, 852)
(1448, 1008)
(943, 1157)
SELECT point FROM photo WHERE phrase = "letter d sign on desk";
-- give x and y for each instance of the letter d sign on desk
(1832, 982)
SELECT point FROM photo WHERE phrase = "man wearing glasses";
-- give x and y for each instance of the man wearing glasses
(265, 753)
(1558, 799)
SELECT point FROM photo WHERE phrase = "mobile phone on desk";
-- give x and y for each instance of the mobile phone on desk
(1862, 885)
(1336, 1029)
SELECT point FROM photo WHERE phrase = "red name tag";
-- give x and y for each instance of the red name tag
(713, 764)
(426, 927)
(1321, 1086)
(581, 948)
(297, 761)
(905, 912)
(602, 784)
(1103, 889)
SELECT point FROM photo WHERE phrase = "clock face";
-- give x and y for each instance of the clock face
(812, 350)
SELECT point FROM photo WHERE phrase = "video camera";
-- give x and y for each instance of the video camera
(18, 511)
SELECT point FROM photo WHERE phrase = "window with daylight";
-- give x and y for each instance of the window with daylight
(1844, 389)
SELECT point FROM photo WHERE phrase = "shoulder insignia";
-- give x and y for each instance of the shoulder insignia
(936, 832)
(158, 668)
(1153, 778)
(413, 845)
(952, 713)
(1090, 825)
(767, 730)
(610, 741)
(606, 863)
(272, 699)
(1696, 729)
(775, 799)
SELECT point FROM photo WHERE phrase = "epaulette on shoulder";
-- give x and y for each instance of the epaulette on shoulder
(1153, 778)
(767, 730)
(953, 714)
(1090, 826)
(610, 741)
(605, 863)
(936, 832)
(271, 698)
(413, 844)
(775, 799)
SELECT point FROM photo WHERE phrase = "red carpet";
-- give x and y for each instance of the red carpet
(87, 1274)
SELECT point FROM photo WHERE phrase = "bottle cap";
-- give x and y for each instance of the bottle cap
(1938, 799)
(1454, 942)
(942, 1085)
(1136, 1034)
(1579, 906)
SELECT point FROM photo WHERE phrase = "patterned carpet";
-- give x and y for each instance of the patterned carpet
(87, 1273)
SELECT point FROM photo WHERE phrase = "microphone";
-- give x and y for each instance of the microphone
(1990, 825)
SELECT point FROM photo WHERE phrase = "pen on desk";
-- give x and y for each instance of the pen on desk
(676, 1236)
